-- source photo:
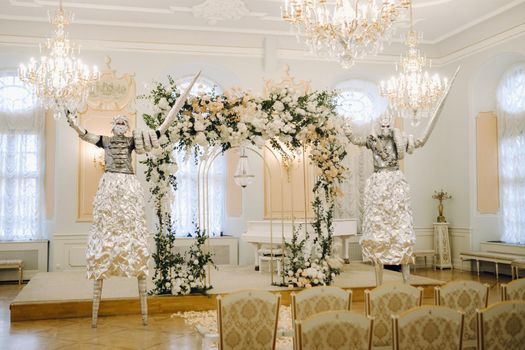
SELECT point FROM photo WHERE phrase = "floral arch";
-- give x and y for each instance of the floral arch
(284, 118)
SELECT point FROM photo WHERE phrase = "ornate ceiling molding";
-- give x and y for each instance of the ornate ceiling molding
(214, 11)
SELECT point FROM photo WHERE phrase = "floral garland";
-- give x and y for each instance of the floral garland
(290, 122)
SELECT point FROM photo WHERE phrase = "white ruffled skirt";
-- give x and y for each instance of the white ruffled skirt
(388, 228)
(117, 243)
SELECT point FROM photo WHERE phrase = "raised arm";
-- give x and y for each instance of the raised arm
(420, 142)
(85, 135)
(177, 107)
(355, 139)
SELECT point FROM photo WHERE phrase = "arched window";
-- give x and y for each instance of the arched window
(511, 127)
(20, 161)
(359, 101)
(202, 86)
(361, 105)
(185, 205)
(14, 95)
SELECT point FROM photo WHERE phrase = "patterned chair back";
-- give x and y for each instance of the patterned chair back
(428, 327)
(514, 290)
(501, 326)
(387, 300)
(335, 330)
(248, 320)
(314, 300)
(467, 297)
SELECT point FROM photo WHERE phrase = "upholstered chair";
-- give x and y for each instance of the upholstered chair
(314, 300)
(467, 297)
(428, 328)
(514, 290)
(248, 320)
(501, 326)
(387, 300)
(334, 330)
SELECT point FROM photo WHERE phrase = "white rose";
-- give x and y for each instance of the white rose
(198, 126)
(311, 107)
(163, 104)
(259, 141)
(242, 127)
(278, 106)
(200, 138)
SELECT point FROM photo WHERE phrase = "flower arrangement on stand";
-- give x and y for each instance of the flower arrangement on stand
(189, 275)
(288, 121)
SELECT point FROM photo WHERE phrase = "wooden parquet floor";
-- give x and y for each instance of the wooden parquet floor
(163, 332)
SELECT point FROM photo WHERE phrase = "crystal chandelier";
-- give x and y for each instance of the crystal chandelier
(61, 80)
(413, 93)
(344, 30)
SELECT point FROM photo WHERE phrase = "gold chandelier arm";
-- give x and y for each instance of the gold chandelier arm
(420, 142)
(178, 106)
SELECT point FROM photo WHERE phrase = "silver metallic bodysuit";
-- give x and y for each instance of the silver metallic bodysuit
(117, 151)
(384, 151)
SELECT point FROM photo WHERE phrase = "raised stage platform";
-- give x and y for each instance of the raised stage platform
(53, 295)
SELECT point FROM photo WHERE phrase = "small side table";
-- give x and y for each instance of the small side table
(442, 245)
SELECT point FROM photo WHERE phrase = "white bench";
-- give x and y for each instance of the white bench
(516, 265)
(496, 258)
(425, 253)
(15, 264)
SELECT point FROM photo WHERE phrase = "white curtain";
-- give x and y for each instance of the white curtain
(511, 125)
(361, 105)
(21, 174)
(186, 203)
(360, 165)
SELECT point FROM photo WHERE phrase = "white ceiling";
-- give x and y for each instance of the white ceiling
(438, 19)
(165, 20)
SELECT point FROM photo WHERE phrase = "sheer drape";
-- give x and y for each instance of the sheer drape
(360, 165)
(185, 205)
(361, 105)
(21, 178)
(511, 125)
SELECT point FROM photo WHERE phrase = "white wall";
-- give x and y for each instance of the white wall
(447, 161)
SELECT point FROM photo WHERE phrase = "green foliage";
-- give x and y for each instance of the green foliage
(290, 123)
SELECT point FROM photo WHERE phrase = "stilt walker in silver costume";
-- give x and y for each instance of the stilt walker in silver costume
(117, 242)
(388, 229)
